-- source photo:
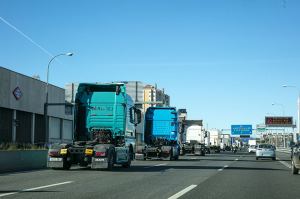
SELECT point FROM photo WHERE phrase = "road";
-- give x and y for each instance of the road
(224, 175)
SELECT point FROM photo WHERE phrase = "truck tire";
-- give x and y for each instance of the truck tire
(171, 154)
(110, 159)
(295, 171)
(128, 163)
(66, 165)
(176, 157)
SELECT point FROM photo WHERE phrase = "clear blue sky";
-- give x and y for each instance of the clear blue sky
(223, 60)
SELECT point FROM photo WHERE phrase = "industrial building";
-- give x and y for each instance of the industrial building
(22, 120)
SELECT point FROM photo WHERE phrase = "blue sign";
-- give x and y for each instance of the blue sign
(241, 129)
(245, 140)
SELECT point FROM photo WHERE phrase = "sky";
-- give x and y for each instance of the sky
(225, 61)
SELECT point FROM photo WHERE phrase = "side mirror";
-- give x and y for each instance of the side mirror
(138, 116)
(131, 115)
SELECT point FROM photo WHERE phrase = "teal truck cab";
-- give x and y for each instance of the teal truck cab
(105, 121)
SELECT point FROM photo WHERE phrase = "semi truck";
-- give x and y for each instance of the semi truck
(195, 139)
(215, 140)
(105, 120)
(161, 135)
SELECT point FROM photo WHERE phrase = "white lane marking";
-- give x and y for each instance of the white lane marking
(182, 192)
(222, 169)
(36, 188)
(286, 164)
(158, 165)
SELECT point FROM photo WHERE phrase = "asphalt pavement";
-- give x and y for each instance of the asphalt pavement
(224, 175)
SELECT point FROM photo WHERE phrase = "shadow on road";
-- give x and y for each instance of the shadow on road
(163, 168)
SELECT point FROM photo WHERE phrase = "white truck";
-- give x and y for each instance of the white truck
(195, 137)
(215, 140)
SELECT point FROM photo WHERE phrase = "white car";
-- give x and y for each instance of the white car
(265, 151)
(252, 149)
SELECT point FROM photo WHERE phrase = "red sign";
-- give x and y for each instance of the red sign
(279, 121)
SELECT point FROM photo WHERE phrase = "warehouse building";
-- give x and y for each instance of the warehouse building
(22, 120)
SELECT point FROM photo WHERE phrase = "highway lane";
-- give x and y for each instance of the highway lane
(248, 178)
(145, 179)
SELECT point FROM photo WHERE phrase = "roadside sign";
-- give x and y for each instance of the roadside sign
(245, 136)
(245, 140)
(241, 129)
(261, 130)
(279, 121)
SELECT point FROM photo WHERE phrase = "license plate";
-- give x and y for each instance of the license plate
(99, 159)
(55, 159)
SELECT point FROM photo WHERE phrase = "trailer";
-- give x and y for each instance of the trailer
(195, 137)
(161, 134)
(105, 122)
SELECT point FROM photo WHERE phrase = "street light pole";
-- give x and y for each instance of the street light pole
(47, 96)
(295, 137)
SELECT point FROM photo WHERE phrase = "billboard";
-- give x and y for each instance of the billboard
(241, 129)
(279, 121)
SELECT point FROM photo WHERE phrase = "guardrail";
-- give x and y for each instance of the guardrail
(21, 160)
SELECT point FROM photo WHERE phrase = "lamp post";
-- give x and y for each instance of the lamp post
(47, 98)
(298, 104)
(281, 105)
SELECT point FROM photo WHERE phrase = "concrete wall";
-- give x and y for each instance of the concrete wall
(22, 160)
(33, 94)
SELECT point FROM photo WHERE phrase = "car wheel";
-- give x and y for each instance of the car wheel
(256, 158)
(294, 169)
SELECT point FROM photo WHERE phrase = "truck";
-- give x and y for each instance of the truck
(195, 140)
(161, 135)
(105, 120)
(215, 140)
(252, 142)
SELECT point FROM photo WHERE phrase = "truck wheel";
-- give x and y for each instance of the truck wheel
(171, 155)
(66, 165)
(176, 157)
(295, 171)
(110, 160)
(128, 163)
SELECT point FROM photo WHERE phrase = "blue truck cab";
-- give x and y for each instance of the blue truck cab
(105, 121)
(161, 134)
